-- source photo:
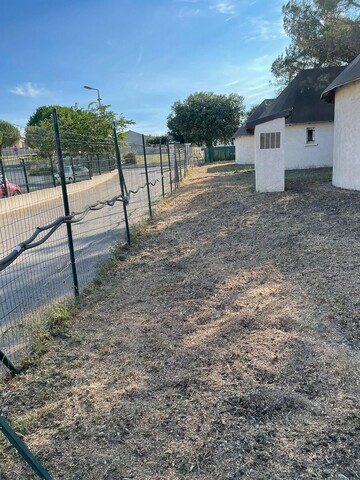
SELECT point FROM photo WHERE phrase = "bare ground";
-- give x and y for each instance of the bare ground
(224, 347)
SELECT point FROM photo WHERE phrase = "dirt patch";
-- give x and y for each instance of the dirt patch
(224, 347)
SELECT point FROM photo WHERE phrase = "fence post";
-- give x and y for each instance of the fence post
(162, 171)
(8, 364)
(185, 160)
(179, 162)
(147, 176)
(66, 201)
(188, 155)
(98, 163)
(169, 162)
(89, 167)
(122, 183)
(52, 171)
(2, 171)
(25, 175)
(23, 450)
(176, 167)
(73, 169)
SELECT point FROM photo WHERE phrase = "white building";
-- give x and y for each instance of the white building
(307, 141)
(345, 92)
(244, 139)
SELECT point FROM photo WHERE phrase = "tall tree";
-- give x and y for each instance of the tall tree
(9, 135)
(206, 118)
(322, 32)
(86, 130)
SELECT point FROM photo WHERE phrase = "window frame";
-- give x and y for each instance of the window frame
(270, 140)
(312, 141)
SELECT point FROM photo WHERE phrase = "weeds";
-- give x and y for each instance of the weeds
(60, 315)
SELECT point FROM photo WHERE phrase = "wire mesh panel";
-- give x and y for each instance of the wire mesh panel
(36, 278)
(36, 264)
(135, 178)
(95, 179)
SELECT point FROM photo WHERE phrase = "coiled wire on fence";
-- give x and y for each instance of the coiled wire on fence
(75, 217)
(52, 227)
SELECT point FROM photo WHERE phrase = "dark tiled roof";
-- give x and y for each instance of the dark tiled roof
(349, 75)
(240, 132)
(300, 101)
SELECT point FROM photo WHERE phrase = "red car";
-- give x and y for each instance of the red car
(12, 188)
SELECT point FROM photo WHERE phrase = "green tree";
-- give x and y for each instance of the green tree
(156, 139)
(41, 138)
(206, 118)
(323, 33)
(45, 113)
(86, 130)
(9, 135)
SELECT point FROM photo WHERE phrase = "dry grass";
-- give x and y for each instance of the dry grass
(225, 346)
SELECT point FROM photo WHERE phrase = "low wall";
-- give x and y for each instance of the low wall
(19, 202)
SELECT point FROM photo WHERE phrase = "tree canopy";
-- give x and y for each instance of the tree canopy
(82, 130)
(323, 33)
(206, 118)
(9, 135)
(157, 139)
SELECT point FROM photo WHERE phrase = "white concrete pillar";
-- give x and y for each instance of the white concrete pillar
(346, 167)
(269, 156)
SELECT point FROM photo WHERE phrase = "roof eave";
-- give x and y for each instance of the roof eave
(329, 95)
(282, 114)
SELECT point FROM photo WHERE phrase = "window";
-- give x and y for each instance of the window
(269, 140)
(310, 135)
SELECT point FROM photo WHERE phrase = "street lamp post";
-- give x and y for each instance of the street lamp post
(98, 92)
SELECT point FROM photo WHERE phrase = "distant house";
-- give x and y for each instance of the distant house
(244, 139)
(344, 91)
(134, 140)
(304, 129)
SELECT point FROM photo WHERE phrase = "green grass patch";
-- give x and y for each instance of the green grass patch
(309, 175)
(225, 168)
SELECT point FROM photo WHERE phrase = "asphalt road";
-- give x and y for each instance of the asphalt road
(43, 275)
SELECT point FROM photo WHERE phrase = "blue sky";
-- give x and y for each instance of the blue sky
(142, 55)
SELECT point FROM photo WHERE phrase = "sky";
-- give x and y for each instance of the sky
(143, 55)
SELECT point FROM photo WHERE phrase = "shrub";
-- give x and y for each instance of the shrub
(129, 158)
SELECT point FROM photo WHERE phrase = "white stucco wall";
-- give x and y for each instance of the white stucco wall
(299, 154)
(346, 168)
(245, 150)
(270, 163)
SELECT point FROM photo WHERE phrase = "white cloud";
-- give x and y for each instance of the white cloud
(27, 90)
(250, 79)
(265, 29)
(225, 7)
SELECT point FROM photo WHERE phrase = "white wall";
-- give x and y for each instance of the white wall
(299, 154)
(346, 169)
(270, 163)
(245, 149)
